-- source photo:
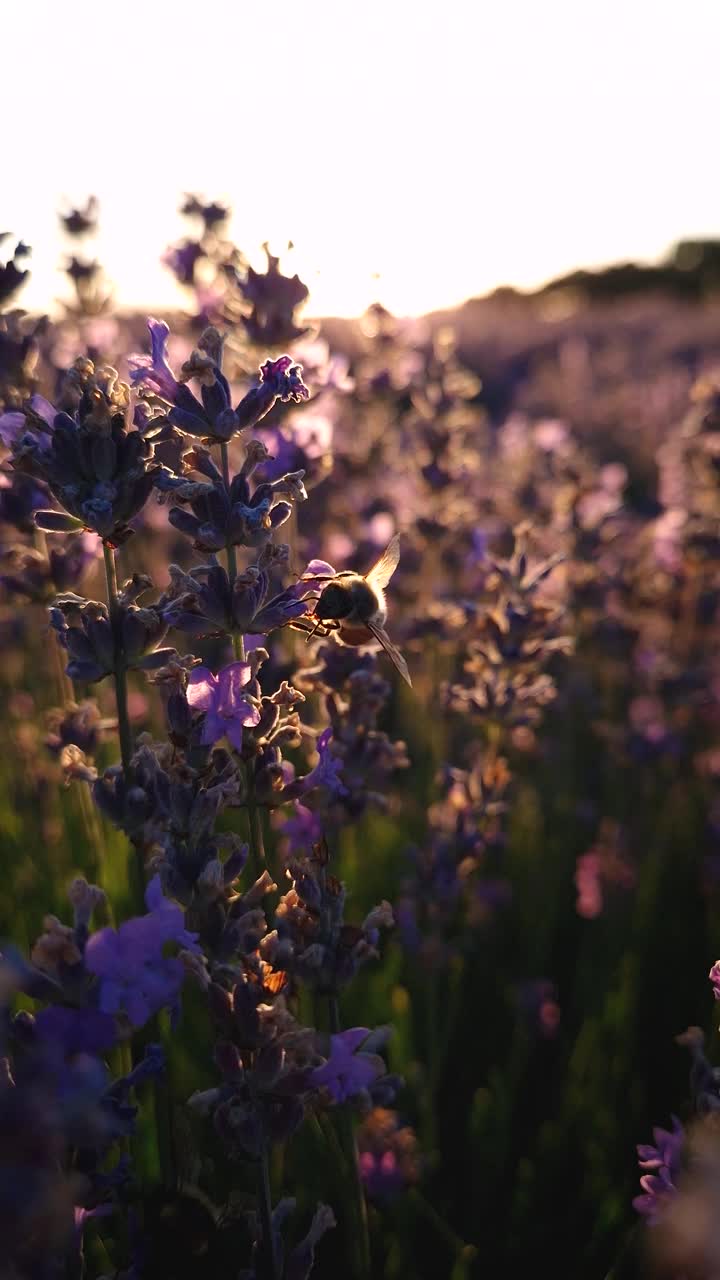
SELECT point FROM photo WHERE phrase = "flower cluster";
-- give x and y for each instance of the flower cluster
(98, 468)
(93, 640)
(311, 939)
(212, 417)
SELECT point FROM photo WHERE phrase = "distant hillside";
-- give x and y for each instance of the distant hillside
(690, 272)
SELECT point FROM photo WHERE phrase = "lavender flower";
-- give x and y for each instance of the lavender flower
(203, 603)
(136, 974)
(212, 417)
(80, 222)
(312, 940)
(221, 697)
(225, 516)
(12, 275)
(274, 299)
(348, 1070)
(660, 1164)
(389, 1155)
(27, 572)
(328, 771)
(100, 472)
(153, 372)
(86, 632)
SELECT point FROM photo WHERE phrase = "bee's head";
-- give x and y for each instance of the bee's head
(335, 602)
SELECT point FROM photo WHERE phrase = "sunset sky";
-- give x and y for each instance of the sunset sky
(418, 153)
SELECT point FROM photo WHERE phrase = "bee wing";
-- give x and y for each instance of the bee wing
(382, 572)
(391, 650)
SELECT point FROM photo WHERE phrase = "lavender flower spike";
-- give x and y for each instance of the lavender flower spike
(221, 698)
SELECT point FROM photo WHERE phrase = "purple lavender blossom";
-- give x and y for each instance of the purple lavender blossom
(389, 1155)
(284, 379)
(328, 769)
(212, 416)
(347, 1072)
(221, 698)
(661, 1165)
(76, 1030)
(136, 976)
(153, 371)
(13, 424)
(301, 830)
(182, 258)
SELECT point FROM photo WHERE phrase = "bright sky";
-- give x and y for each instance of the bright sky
(444, 146)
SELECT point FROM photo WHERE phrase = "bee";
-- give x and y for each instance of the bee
(354, 605)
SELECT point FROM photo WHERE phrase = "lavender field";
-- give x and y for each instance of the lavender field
(359, 802)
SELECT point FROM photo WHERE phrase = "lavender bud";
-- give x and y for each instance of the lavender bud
(84, 898)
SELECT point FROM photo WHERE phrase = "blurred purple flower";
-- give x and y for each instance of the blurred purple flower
(220, 697)
(661, 1164)
(328, 769)
(76, 1030)
(11, 425)
(182, 259)
(302, 829)
(347, 1072)
(389, 1154)
(14, 423)
(136, 976)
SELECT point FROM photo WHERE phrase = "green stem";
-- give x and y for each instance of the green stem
(136, 869)
(136, 873)
(66, 694)
(120, 671)
(268, 1260)
(466, 1251)
(237, 639)
(257, 843)
(357, 1206)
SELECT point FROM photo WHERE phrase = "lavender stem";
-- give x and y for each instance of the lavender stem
(257, 843)
(356, 1193)
(237, 639)
(120, 676)
(120, 670)
(269, 1270)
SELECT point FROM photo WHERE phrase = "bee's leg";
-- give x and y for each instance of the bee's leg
(310, 635)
